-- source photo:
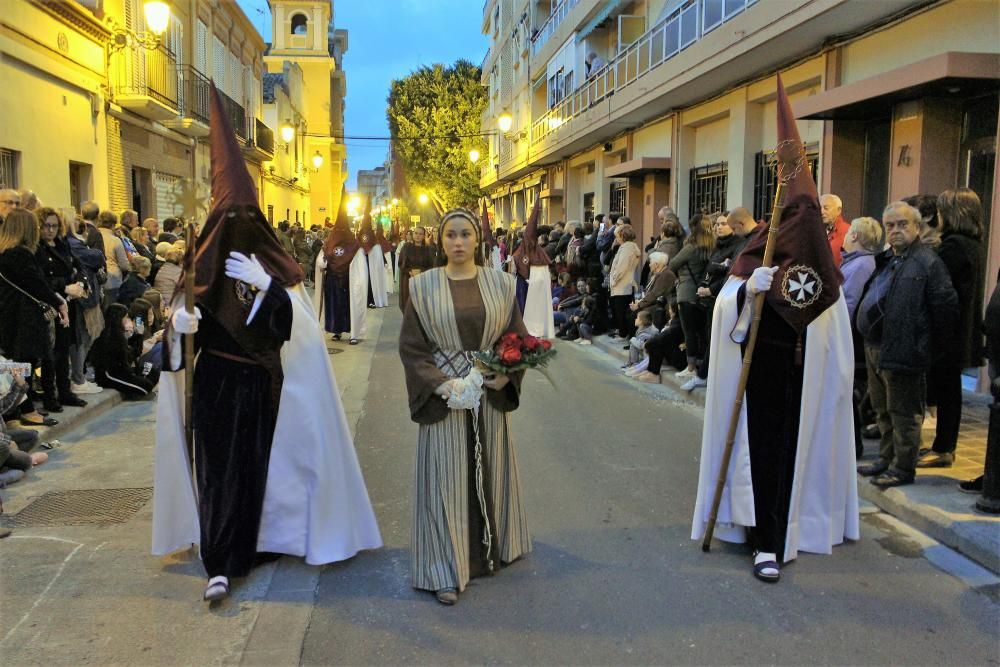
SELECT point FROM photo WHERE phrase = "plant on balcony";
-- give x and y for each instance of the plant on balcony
(434, 118)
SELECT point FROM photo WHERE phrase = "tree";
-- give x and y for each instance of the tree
(434, 116)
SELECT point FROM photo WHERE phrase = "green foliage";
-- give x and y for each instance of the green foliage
(431, 114)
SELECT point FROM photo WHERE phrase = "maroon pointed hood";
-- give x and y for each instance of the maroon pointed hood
(340, 246)
(231, 182)
(807, 281)
(487, 231)
(380, 238)
(529, 253)
(366, 235)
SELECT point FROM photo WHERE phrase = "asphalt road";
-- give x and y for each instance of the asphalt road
(609, 471)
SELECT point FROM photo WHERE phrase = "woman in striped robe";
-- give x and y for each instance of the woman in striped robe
(468, 518)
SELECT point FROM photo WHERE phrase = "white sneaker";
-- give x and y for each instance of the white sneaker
(694, 383)
(86, 388)
(686, 373)
(584, 341)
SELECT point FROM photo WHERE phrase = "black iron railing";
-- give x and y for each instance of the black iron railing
(264, 136)
(707, 192)
(195, 92)
(150, 72)
(237, 115)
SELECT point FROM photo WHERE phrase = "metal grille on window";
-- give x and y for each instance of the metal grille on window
(8, 168)
(764, 181)
(619, 197)
(708, 188)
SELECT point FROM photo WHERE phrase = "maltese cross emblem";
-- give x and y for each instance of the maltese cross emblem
(338, 252)
(801, 286)
(364, 239)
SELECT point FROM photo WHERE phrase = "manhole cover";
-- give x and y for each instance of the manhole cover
(82, 507)
(334, 350)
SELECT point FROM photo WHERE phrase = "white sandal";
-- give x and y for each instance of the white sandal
(217, 589)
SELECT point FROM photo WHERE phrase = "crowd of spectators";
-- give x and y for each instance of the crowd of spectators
(83, 299)
(913, 287)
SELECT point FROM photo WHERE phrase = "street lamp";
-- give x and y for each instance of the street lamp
(474, 155)
(157, 13)
(317, 161)
(423, 198)
(395, 202)
(287, 131)
(505, 121)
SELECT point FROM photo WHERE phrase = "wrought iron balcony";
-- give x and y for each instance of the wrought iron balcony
(237, 115)
(145, 81)
(193, 97)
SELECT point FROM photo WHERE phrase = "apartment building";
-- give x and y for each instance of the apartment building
(373, 185)
(629, 105)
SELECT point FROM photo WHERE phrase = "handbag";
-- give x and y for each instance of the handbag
(48, 312)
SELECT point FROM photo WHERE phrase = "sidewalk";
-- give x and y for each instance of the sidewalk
(933, 505)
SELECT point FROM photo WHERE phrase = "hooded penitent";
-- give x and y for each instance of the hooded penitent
(807, 281)
(487, 231)
(529, 253)
(340, 246)
(237, 224)
(380, 239)
(366, 235)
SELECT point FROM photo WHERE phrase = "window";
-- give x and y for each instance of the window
(270, 214)
(588, 207)
(734, 7)
(708, 188)
(689, 25)
(765, 180)
(300, 24)
(712, 16)
(80, 183)
(10, 165)
(619, 197)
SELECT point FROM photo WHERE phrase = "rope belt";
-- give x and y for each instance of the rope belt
(232, 357)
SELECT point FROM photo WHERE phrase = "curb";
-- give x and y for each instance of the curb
(972, 534)
(71, 418)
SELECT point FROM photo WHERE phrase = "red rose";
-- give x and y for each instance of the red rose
(531, 344)
(511, 356)
(546, 344)
(510, 339)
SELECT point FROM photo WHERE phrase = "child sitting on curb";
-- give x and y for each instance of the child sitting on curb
(13, 462)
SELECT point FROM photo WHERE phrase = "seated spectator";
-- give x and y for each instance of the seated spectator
(668, 345)
(160, 313)
(29, 307)
(644, 331)
(114, 365)
(908, 308)
(146, 344)
(658, 288)
(585, 321)
(14, 457)
(169, 275)
(137, 282)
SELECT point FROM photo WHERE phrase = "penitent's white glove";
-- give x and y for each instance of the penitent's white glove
(184, 322)
(760, 280)
(247, 269)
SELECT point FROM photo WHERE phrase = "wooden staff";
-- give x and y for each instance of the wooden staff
(189, 270)
(758, 306)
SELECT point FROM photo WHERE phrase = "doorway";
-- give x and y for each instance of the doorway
(142, 192)
(875, 188)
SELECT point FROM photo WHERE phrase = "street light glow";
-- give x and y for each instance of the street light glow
(287, 131)
(505, 122)
(157, 16)
(474, 155)
(423, 198)
(317, 160)
(395, 202)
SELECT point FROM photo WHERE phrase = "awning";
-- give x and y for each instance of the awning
(638, 166)
(946, 75)
(603, 15)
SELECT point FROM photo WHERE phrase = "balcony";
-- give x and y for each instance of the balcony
(193, 98)
(145, 81)
(549, 27)
(260, 141)
(682, 28)
(237, 115)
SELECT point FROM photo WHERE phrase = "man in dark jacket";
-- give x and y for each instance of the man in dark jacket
(908, 305)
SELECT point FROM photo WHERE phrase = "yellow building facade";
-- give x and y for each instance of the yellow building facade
(894, 98)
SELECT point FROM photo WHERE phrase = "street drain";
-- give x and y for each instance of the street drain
(79, 508)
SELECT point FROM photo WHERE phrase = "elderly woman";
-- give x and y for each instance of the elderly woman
(658, 288)
(65, 276)
(137, 282)
(960, 216)
(622, 280)
(140, 240)
(468, 519)
(29, 307)
(169, 275)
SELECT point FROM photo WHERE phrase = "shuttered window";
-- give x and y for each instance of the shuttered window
(219, 62)
(201, 48)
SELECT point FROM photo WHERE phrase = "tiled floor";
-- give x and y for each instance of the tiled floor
(971, 451)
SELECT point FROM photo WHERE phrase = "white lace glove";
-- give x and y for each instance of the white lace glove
(184, 322)
(247, 269)
(760, 280)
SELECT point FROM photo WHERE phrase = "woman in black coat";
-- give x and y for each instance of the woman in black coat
(114, 364)
(64, 276)
(960, 217)
(25, 297)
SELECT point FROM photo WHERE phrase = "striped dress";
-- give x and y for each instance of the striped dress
(468, 517)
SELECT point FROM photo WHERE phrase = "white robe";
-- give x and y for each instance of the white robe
(315, 501)
(376, 272)
(538, 318)
(390, 274)
(824, 501)
(493, 259)
(358, 289)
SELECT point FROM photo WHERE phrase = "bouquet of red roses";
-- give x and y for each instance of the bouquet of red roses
(516, 353)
